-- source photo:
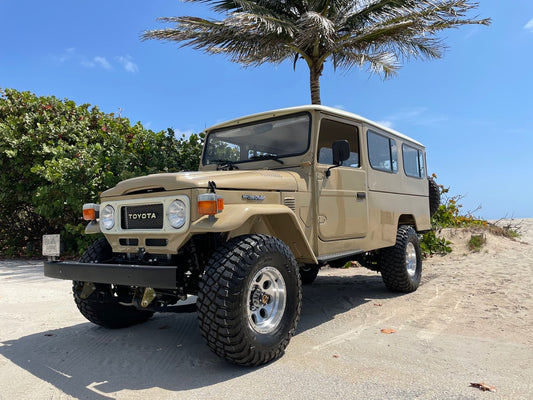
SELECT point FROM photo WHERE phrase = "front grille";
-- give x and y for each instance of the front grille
(142, 217)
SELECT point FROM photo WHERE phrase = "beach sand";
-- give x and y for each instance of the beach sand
(469, 322)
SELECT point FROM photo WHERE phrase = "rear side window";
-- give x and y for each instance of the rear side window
(382, 152)
(413, 162)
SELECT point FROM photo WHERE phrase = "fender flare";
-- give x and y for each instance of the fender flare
(272, 219)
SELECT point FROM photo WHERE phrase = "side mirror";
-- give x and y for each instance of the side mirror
(341, 151)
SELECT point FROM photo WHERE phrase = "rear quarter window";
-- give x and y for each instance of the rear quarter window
(382, 152)
(413, 162)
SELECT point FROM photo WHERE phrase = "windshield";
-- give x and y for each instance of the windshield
(264, 140)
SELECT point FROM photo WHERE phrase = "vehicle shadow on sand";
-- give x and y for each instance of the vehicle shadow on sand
(168, 352)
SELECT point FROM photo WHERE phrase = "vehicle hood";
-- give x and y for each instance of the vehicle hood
(266, 180)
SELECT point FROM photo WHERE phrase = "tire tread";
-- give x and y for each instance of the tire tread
(219, 309)
(392, 261)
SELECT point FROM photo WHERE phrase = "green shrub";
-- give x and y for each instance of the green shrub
(433, 244)
(56, 155)
(476, 242)
(448, 215)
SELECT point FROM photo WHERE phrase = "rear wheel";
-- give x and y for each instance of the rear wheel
(249, 299)
(102, 306)
(401, 265)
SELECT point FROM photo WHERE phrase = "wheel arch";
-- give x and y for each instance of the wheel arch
(274, 220)
(407, 219)
(419, 226)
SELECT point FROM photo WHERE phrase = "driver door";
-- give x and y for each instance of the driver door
(342, 203)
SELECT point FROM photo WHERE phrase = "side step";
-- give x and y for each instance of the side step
(338, 256)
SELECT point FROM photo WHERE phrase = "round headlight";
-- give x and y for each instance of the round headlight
(107, 217)
(177, 214)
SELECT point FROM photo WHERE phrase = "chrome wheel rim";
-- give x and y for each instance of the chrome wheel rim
(410, 259)
(266, 300)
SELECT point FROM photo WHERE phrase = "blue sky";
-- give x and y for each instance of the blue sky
(473, 108)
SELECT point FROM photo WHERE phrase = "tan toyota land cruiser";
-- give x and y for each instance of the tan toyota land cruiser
(277, 195)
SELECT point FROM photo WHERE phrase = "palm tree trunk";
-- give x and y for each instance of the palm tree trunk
(314, 81)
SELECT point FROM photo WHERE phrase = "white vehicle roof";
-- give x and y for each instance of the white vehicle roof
(324, 109)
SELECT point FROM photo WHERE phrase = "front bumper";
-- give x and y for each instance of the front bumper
(155, 276)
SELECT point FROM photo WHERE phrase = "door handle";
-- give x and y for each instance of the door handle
(361, 195)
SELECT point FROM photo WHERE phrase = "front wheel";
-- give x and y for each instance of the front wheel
(401, 265)
(249, 299)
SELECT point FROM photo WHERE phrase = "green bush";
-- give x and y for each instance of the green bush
(448, 215)
(56, 155)
(476, 242)
(433, 244)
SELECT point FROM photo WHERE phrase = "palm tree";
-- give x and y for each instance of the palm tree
(375, 33)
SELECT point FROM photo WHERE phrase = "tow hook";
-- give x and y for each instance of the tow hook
(87, 290)
(148, 296)
(141, 254)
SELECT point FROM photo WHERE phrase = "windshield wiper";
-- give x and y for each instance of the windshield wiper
(224, 165)
(267, 157)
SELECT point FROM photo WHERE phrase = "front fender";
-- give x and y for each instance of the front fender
(272, 219)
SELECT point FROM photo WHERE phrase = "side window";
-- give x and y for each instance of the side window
(331, 131)
(422, 163)
(413, 162)
(382, 152)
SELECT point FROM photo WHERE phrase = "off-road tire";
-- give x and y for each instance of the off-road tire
(230, 283)
(434, 196)
(308, 273)
(107, 313)
(401, 264)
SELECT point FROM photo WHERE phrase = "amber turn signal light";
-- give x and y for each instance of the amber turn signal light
(90, 211)
(210, 204)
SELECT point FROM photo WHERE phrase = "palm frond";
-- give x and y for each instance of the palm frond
(380, 62)
(236, 37)
(315, 29)
(352, 33)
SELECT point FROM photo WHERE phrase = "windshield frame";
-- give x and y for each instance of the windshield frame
(207, 163)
